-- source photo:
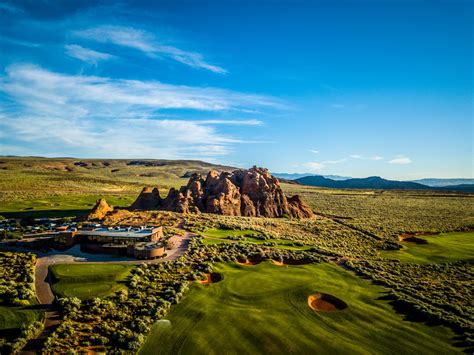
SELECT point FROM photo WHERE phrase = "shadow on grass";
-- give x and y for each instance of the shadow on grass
(30, 214)
(412, 314)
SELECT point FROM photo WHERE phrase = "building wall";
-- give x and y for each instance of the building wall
(100, 249)
(157, 234)
(67, 238)
(146, 253)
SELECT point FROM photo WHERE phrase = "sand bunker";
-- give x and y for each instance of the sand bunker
(248, 262)
(279, 263)
(211, 278)
(322, 302)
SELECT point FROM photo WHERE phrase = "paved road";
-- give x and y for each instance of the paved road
(178, 246)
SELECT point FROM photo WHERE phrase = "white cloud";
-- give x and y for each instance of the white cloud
(318, 166)
(338, 161)
(38, 89)
(85, 54)
(314, 151)
(147, 43)
(314, 166)
(232, 122)
(360, 157)
(99, 116)
(400, 160)
(133, 138)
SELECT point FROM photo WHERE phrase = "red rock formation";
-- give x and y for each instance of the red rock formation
(253, 193)
(149, 199)
(99, 211)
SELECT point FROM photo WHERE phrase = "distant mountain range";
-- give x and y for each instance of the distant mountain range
(289, 176)
(444, 182)
(376, 182)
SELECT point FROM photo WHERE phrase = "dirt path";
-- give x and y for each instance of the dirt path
(179, 245)
(45, 297)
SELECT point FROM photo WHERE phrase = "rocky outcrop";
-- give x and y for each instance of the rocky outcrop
(253, 193)
(99, 211)
(149, 199)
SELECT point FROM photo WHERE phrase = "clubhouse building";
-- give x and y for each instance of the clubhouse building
(136, 242)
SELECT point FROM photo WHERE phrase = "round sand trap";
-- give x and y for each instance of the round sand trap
(211, 278)
(322, 302)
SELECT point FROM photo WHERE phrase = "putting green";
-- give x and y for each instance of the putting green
(441, 248)
(264, 309)
(87, 281)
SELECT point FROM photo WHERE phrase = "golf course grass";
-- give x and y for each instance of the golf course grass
(216, 236)
(441, 248)
(87, 281)
(13, 317)
(264, 309)
(57, 206)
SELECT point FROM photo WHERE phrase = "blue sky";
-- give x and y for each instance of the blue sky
(354, 88)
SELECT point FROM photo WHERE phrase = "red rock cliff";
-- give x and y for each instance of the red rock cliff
(253, 193)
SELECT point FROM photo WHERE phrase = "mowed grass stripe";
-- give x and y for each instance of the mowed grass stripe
(263, 309)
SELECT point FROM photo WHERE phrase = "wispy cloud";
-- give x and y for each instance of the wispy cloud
(314, 166)
(92, 116)
(132, 138)
(38, 88)
(8, 7)
(232, 122)
(18, 42)
(147, 43)
(338, 161)
(314, 151)
(400, 160)
(318, 166)
(85, 54)
(361, 157)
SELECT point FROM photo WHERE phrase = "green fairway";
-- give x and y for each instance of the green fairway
(442, 248)
(13, 317)
(87, 281)
(57, 206)
(264, 309)
(216, 236)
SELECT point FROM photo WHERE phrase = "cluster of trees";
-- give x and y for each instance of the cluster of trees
(28, 331)
(16, 283)
(17, 289)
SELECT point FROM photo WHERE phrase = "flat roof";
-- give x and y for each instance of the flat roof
(117, 233)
